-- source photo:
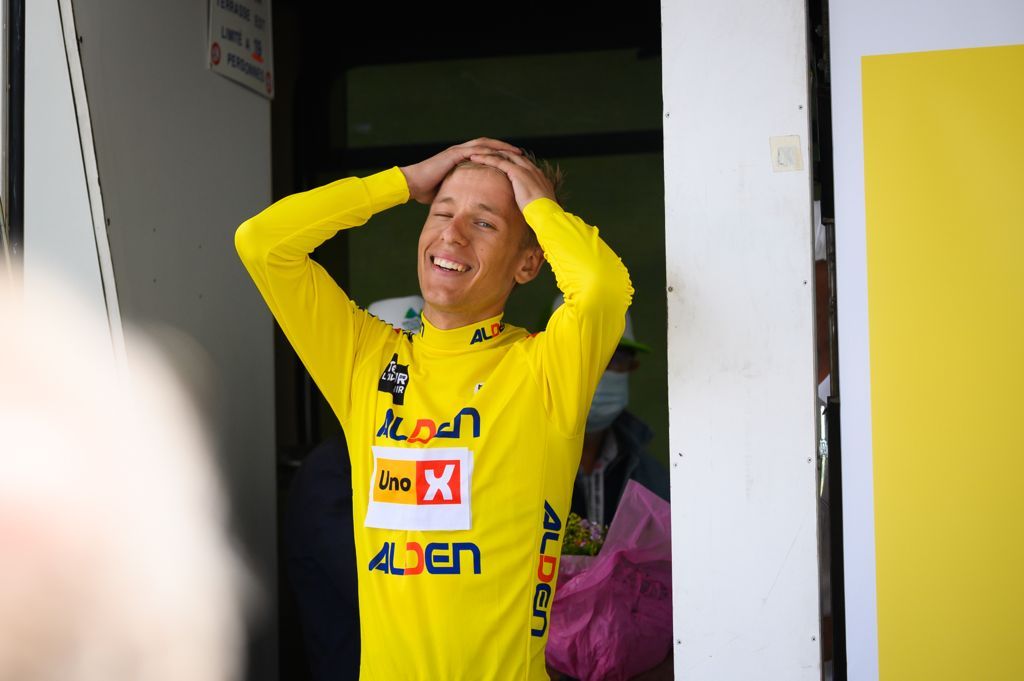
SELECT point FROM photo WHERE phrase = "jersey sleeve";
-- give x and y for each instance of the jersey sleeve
(574, 349)
(324, 326)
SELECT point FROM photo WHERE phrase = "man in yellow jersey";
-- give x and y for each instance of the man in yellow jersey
(464, 438)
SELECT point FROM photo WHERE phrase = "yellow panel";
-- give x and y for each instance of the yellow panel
(944, 186)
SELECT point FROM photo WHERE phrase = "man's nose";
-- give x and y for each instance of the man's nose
(455, 230)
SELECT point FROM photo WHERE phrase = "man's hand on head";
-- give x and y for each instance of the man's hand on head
(528, 181)
(424, 178)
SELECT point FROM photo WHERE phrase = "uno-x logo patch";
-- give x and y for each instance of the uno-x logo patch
(420, 489)
(394, 380)
(418, 482)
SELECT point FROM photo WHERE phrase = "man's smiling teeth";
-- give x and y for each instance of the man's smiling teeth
(449, 265)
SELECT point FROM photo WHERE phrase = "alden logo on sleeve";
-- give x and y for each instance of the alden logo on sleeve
(420, 489)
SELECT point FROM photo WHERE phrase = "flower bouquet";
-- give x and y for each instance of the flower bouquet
(612, 613)
(582, 537)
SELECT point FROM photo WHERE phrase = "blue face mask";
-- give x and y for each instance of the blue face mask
(610, 399)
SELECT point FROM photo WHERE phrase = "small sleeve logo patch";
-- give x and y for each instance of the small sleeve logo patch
(394, 380)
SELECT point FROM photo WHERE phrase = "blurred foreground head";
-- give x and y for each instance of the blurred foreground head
(115, 563)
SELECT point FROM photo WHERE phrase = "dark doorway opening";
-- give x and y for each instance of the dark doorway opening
(360, 90)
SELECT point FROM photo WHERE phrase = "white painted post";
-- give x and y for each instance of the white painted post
(741, 352)
(60, 237)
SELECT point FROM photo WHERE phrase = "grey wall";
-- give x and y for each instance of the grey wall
(184, 157)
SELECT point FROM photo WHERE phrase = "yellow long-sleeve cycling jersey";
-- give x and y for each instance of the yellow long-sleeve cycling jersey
(464, 442)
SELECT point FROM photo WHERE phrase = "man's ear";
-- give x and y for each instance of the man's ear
(530, 261)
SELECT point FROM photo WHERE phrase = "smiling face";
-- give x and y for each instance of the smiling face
(471, 250)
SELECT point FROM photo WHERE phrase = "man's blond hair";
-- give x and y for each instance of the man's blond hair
(552, 171)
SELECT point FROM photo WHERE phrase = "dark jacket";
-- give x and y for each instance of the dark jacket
(633, 462)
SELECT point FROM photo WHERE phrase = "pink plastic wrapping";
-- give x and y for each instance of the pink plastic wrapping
(612, 614)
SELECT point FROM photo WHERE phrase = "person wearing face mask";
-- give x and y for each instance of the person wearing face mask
(615, 441)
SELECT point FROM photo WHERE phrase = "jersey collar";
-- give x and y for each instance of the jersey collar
(476, 336)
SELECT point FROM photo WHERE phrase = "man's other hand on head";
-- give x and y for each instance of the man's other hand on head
(424, 178)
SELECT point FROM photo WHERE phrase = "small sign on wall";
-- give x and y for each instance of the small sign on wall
(240, 45)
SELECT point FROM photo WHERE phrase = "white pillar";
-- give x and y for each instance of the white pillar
(740, 340)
